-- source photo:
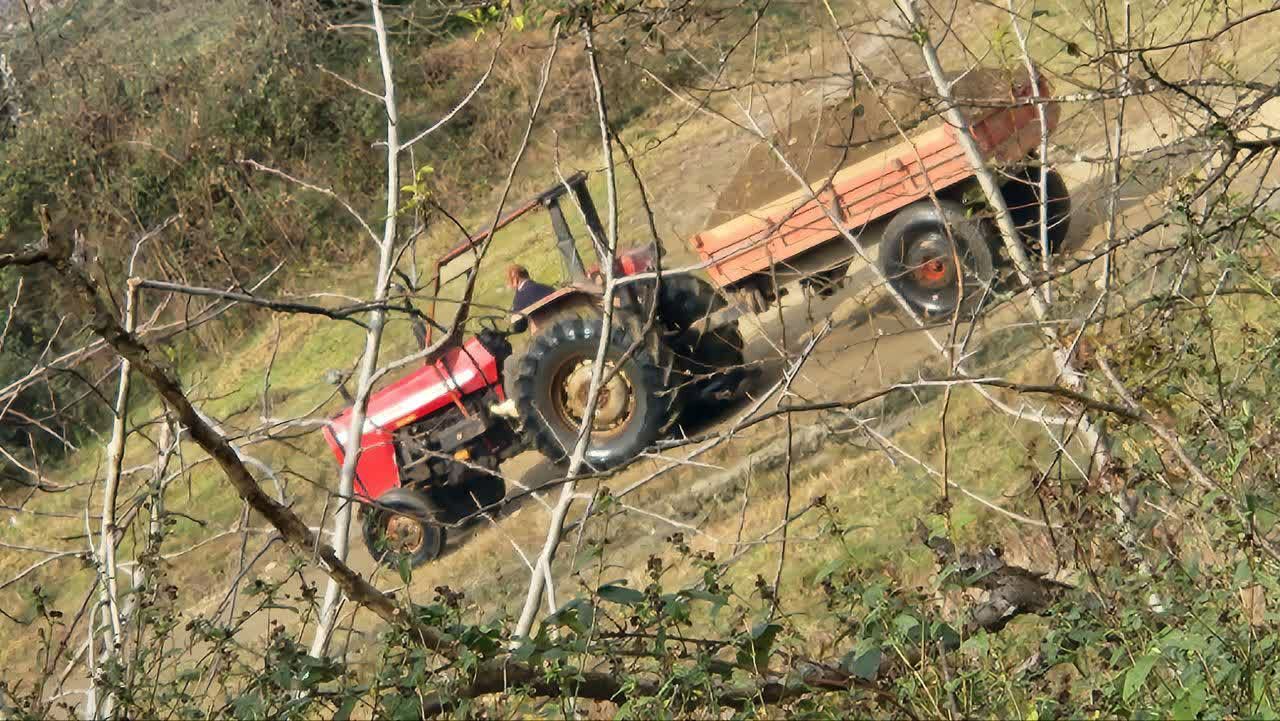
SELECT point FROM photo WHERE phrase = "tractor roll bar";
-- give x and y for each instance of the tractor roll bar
(547, 198)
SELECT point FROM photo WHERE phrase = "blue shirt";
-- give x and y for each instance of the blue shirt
(528, 293)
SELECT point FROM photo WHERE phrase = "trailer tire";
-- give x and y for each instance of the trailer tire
(552, 382)
(1022, 196)
(916, 256)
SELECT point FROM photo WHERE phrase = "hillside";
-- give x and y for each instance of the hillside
(784, 543)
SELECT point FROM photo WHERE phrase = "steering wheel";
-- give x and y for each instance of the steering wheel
(489, 322)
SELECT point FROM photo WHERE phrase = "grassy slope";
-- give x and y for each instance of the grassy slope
(878, 499)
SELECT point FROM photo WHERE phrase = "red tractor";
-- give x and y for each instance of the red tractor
(433, 440)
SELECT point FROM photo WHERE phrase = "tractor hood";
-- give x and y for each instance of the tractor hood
(459, 371)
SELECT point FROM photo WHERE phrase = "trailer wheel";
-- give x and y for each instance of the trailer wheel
(1022, 195)
(553, 383)
(917, 256)
(400, 527)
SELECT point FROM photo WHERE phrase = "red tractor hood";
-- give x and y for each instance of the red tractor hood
(459, 372)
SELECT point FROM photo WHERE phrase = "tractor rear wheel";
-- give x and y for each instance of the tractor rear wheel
(918, 256)
(554, 381)
(400, 527)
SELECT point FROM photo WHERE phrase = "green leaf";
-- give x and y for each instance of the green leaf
(576, 615)
(1190, 704)
(524, 651)
(754, 653)
(830, 568)
(405, 568)
(620, 594)
(344, 711)
(588, 556)
(248, 706)
(947, 635)
(697, 594)
(1243, 574)
(1135, 677)
(866, 665)
(905, 622)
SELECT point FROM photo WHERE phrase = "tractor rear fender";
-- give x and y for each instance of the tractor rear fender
(581, 300)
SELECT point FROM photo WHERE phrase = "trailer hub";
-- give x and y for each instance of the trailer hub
(931, 263)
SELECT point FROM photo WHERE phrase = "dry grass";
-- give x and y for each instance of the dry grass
(878, 499)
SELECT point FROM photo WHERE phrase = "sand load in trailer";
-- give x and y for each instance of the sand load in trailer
(856, 161)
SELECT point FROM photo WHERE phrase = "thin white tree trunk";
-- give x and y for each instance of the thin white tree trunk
(109, 595)
(373, 341)
(540, 579)
(1092, 434)
(1042, 114)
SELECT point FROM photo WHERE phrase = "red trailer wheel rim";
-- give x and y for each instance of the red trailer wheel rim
(930, 263)
(932, 273)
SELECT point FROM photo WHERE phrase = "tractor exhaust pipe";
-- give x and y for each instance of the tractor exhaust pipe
(338, 379)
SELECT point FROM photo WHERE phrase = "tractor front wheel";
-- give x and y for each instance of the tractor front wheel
(400, 528)
(553, 387)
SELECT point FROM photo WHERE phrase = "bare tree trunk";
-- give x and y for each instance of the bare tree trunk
(373, 341)
(540, 580)
(1042, 115)
(1091, 431)
(113, 631)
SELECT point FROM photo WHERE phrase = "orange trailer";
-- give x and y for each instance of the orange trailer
(793, 236)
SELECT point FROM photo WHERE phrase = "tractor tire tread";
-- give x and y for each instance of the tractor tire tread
(646, 380)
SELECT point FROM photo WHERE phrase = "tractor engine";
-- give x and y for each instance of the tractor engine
(429, 450)
(448, 446)
(433, 428)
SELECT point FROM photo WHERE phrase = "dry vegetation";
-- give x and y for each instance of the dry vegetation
(827, 562)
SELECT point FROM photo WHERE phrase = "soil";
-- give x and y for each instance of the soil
(709, 172)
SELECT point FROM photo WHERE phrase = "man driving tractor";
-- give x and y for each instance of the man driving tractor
(527, 290)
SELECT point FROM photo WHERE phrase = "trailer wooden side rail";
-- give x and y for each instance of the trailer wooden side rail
(866, 191)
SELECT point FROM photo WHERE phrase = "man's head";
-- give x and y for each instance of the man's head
(516, 274)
